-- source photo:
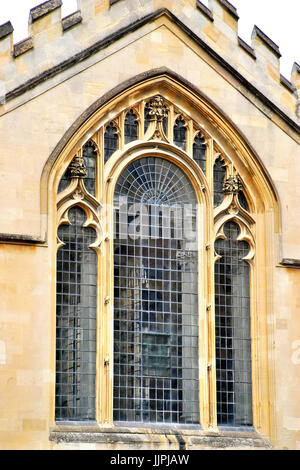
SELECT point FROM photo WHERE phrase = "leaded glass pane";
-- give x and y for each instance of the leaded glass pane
(156, 295)
(76, 321)
(131, 127)
(111, 141)
(89, 155)
(199, 152)
(180, 132)
(219, 179)
(233, 335)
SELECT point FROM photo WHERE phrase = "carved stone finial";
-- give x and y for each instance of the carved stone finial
(233, 185)
(77, 168)
(157, 109)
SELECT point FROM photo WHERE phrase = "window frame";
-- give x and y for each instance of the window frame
(203, 188)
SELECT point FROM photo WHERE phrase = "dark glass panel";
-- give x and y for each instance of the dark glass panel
(89, 155)
(111, 141)
(243, 201)
(131, 127)
(199, 152)
(64, 182)
(233, 335)
(76, 321)
(180, 132)
(219, 179)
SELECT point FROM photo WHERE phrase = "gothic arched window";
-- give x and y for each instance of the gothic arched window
(155, 262)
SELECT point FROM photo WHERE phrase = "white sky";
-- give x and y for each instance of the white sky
(278, 19)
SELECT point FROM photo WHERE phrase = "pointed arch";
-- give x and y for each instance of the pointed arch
(221, 137)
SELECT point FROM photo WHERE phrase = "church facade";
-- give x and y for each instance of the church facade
(149, 231)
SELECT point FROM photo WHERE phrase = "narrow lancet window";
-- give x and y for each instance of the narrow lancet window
(180, 133)
(219, 180)
(111, 141)
(89, 155)
(156, 295)
(131, 127)
(233, 335)
(199, 152)
(76, 321)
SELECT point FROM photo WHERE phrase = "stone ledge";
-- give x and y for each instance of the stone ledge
(166, 437)
(290, 263)
(71, 20)
(20, 239)
(23, 46)
(230, 8)
(266, 40)
(6, 29)
(246, 47)
(206, 11)
(43, 9)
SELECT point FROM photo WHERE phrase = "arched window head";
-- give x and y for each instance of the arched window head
(156, 295)
(111, 141)
(180, 133)
(131, 127)
(233, 333)
(76, 307)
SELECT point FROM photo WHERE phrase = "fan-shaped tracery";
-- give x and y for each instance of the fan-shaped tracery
(154, 181)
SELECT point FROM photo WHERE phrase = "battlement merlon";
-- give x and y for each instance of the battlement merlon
(55, 42)
(45, 19)
(225, 12)
(91, 8)
(6, 43)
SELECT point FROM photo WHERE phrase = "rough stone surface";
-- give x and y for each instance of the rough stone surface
(23, 46)
(71, 20)
(206, 11)
(6, 29)
(43, 9)
(261, 35)
(230, 8)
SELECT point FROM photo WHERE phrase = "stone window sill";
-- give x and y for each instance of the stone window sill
(164, 437)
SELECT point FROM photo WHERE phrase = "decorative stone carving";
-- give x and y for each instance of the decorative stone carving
(233, 185)
(157, 112)
(77, 168)
(157, 109)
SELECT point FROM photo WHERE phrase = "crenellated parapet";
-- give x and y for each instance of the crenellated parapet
(55, 44)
